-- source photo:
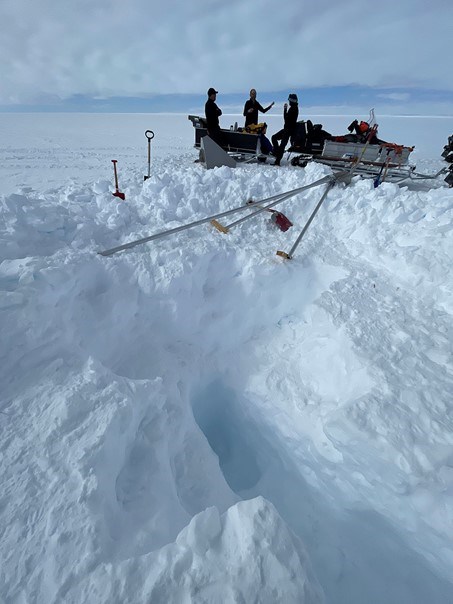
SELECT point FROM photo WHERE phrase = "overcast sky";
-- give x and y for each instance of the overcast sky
(135, 48)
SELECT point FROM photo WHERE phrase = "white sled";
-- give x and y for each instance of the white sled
(390, 162)
(386, 161)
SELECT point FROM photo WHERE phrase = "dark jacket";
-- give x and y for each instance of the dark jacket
(290, 116)
(252, 117)
(212, 113)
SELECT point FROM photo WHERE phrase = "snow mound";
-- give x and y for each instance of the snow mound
(246, 555)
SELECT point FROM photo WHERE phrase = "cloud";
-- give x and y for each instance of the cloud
(114, 48)
(395, 96)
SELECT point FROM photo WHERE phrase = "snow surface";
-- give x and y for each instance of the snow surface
(197, 420)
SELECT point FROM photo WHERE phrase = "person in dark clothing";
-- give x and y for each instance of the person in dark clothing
(212, 113)
(290, 120)
(265, 143)
(251, 108)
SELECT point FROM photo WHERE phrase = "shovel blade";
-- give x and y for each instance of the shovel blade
(120, 195)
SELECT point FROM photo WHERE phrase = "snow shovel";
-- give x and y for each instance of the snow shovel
(117, 191)
(149, 135)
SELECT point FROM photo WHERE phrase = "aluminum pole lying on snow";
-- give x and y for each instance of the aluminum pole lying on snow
(279, 199)
(184, 227)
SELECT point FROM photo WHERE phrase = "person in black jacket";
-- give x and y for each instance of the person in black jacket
(290, 120)
(212, 113)
(251, 108)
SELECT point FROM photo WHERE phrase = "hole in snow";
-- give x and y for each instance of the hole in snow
(219, 416)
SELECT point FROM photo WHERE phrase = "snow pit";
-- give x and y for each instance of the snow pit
(229, 432)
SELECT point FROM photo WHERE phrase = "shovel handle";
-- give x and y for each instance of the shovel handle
(149, 135)
(114, 161)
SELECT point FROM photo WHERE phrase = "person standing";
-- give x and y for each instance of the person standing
(251, 108)
(290, 116)
(212, 113)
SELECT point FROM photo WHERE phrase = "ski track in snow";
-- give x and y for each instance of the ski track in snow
(146, 394)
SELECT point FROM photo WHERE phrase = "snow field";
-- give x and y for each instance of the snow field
(145, 394)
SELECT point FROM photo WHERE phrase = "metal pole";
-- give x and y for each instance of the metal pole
(309, 221)
(280, 199)
(184, 227)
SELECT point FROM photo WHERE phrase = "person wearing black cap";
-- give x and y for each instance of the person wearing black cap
(212, 113)
(251, 108)
(290, 120)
